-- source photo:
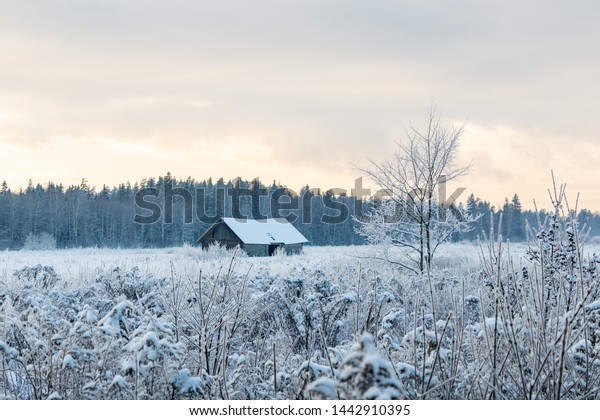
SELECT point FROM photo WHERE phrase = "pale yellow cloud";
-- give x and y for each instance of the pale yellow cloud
(8, 118)
(508, 160)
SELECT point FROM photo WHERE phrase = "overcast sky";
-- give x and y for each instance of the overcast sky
(298, 91)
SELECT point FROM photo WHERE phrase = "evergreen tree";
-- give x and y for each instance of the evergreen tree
(517, 224)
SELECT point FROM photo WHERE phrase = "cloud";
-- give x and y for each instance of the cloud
(8, 118)
(508, 161)
(298, 90)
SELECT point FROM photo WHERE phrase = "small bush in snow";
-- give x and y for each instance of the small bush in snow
(41, 276)
(39, 242)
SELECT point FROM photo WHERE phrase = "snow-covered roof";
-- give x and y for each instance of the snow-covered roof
(265, 231)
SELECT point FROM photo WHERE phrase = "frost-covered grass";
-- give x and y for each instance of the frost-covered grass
(487, 322)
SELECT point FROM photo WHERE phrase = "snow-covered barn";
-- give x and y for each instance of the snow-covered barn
(259, 238)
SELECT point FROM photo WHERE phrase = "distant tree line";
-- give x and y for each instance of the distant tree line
(84, 216)
(513, 219)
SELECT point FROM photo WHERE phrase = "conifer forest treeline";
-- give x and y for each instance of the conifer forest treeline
(87, 216)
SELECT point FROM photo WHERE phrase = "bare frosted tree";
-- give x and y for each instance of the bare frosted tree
(406, 211)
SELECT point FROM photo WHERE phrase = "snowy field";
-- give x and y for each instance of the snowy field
(487, 322)
(80, 266)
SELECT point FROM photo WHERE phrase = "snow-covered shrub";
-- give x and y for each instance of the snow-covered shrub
(220, 252)
(189, 386)
(153, 354)
(40, 276)
(363, 375)
(369, 376)
(130, 283)
(39, 242)
(471, 309)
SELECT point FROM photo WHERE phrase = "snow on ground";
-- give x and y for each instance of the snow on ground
(82, 265)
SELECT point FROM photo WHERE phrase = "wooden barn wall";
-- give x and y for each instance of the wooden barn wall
(256, 250)
(293, 248)
(223, 232)
(223, 235)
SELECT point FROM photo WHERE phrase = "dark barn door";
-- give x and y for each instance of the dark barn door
(273, 248)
